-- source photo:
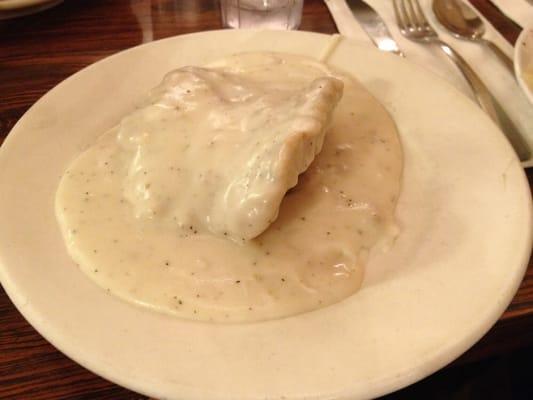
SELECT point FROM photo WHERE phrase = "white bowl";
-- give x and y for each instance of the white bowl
(523, 61)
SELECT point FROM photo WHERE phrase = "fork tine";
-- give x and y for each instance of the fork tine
(415, 22)
(406, 17)
(399, 16)
(412, 21)
(419, 13)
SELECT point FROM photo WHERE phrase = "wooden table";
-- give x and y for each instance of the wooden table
(36, 53)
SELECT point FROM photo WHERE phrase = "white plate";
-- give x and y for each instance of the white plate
(465, 213)
(523, 61)
(18, 4)
(18, 8)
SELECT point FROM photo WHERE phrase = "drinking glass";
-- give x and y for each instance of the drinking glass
(262, 14)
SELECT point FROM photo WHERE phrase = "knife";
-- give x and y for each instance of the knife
(374, 26)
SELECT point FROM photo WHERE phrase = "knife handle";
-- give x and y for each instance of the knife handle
(488, 103)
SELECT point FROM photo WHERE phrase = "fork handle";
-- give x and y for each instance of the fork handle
(488, 103)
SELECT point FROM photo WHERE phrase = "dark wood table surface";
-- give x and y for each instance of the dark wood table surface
(39, 51)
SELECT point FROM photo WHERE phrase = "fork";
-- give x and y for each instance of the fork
(414, 26)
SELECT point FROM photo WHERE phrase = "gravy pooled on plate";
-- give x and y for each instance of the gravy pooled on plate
(180, 207)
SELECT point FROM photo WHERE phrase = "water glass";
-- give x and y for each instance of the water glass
(261, 14)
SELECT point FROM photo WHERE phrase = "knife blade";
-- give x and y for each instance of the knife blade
(374, 26)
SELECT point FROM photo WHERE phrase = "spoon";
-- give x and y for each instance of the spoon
(463, 22)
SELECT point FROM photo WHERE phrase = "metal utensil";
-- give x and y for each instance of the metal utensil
(463, 22)
(414, 26)
(374, 26)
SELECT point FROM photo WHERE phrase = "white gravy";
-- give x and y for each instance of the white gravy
(235, 142)
(133, 207)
